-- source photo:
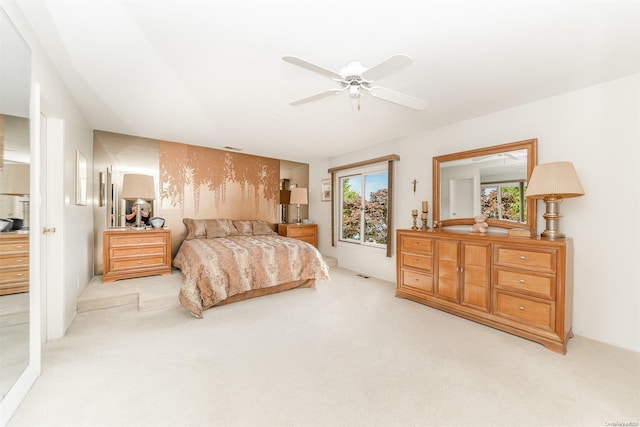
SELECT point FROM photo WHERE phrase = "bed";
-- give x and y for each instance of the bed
(225, 261)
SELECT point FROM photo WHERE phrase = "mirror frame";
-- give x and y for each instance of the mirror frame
(531, 145)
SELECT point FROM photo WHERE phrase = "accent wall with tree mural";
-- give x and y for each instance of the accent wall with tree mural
(204, 182)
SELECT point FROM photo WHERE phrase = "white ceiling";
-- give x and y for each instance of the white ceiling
(210, 72)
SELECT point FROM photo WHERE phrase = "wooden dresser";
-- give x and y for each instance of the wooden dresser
(136, 253)
(305, 232)
(519, 285)
(14, 263)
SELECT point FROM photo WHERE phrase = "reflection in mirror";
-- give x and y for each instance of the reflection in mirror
(489, 181)
(15, 83)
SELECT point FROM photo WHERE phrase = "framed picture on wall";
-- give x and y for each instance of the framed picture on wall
(325, 193)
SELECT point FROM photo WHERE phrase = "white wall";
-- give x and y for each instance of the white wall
(76, 251)
(596, 128)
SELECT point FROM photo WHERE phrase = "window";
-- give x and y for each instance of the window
(504, 201)
(363, 205)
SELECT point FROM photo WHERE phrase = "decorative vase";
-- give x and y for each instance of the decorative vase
(157, 222)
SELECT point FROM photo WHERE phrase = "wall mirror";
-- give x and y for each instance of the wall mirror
(15, 160)
(490, 181)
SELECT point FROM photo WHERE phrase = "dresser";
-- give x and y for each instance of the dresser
(14, 263)
(521, 285)
(305, 232)
(135, 253)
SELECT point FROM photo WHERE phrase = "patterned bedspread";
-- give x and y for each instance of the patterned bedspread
(216, 269)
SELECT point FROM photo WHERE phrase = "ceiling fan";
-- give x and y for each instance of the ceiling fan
(357, 79)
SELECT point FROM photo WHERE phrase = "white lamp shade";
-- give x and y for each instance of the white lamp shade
(299, 196)
(136, 187)
(14, 179)
(554, 179)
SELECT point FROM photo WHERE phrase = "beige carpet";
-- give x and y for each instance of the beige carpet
(345, 354)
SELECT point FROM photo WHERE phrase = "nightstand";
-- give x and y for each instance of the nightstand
(305, 232)
(135, 253)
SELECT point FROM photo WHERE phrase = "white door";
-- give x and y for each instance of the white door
(51, 213)
(462, 198)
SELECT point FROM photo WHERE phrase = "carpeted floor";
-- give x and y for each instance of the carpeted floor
(345, 354)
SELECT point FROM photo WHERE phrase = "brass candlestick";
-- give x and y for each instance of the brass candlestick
(414, 214)
(425, 227)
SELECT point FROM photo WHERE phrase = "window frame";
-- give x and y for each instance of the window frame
(363, 172)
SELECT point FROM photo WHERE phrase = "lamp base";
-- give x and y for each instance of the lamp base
(552, 217)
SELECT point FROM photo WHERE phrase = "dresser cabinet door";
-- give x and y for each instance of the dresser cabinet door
(476, 276)
(447, 262)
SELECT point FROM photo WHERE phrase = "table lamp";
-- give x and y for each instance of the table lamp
(299, 197)
(553, 182)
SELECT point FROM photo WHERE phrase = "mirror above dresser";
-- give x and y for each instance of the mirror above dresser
(489, 181)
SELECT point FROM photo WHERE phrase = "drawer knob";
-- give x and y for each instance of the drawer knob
(19, 274)
(521, 307)
(415, 260)
(139, 240)
(521, 280)
(523, 257)
(18, 260)
(19, 246)
(139, 262)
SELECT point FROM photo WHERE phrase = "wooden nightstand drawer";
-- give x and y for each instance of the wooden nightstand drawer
(136, 253)
(540, 314)
(19, 245)
(14, 260)
(14, 275)
(305, 232)
(133, 240)
(137, 263)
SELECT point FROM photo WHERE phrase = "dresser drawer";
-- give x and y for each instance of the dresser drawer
(539, 260)
(136, 240)
(420, 281)
(540, 314)
(527, 282)
(417, 245)
(417, 261)
(137, 263)
(123, 252)
(12, 245)
(16, 260)
(14, 275)
(298, 232)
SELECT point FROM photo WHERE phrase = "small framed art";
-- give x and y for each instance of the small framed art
(325, 194)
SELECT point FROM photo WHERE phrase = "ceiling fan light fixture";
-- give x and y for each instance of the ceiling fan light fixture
(354, 91)
(355, 77)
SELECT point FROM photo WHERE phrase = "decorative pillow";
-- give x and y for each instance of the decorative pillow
(228, 227)
(261, 227)
(196, 228)
(215, 229)
(244, 227)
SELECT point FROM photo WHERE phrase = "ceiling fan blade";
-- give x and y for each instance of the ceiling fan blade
(386, 67)
(313, 67)
(316, 96)
(399, 98)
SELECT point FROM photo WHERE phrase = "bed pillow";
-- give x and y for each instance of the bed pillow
(215, 229)
(228, 227)
(244, 227)
(261, 227)
(196, 228)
